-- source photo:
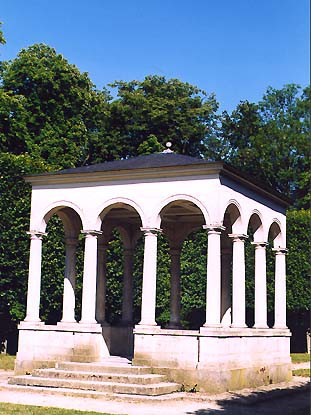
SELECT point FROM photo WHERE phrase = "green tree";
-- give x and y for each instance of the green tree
(48, 108)
(270, 140)
(2, 39)
(14, 243)
(166, 110)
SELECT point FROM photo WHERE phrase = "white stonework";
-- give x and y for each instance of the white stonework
(156, 194)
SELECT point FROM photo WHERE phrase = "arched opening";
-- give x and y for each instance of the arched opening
(118, 293)
(254, 241)
(232, 223)
(274, 240)
(62, 266)
(181, 266)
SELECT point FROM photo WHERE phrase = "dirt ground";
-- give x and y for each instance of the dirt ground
(284, 399)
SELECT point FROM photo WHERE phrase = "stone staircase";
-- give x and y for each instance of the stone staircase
(114, 375)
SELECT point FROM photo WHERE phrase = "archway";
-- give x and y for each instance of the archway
(62, 257)
(184, 243)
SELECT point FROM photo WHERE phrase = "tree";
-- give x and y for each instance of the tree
(2, 39)
(166, 110)
(270, 140)
(14, 243)
(48, 108)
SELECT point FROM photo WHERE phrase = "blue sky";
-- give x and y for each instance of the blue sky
(234, 48)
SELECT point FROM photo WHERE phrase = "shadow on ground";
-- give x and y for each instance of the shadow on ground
(292, 401)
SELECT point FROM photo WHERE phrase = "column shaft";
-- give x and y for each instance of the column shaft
(34, 278)
(238, 281)
(213, 279)
(280, 288)
(260, 285)
(89, 278)
(149, 278)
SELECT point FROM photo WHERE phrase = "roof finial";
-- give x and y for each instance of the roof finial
(168, 148)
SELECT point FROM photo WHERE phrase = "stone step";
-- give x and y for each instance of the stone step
(141, 379)
(104, 367)
(111, 387)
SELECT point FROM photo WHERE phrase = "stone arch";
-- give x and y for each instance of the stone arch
(110, 204)
(156, 217)
(256, 223)
(233, 216)
(69, 213)
(275, 232)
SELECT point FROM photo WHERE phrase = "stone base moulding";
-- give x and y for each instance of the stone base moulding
(216, 361)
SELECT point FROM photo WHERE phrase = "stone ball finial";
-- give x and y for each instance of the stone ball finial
(168, 148)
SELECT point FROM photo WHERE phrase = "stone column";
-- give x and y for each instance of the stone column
(174, 322)
(127, 303)
(238, 281)
(260, 285)
(34, 278)
(280, 288)
(213, 279)
(69, 296)
(149, 277)
(89, 278)
(101, 283)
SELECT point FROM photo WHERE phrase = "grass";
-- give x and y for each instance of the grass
(300, 357)
(12, 409)
(302, 372)
(6, 362)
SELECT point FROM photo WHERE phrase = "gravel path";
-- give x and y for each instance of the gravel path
(283, 399)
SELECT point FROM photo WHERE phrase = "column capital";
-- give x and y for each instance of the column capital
(238, 237)
(280, 251)
(215, 228)
(151, 231)
(259, 245)
(88, 233)
(36, 234)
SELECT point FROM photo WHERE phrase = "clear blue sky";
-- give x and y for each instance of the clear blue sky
(234, 48)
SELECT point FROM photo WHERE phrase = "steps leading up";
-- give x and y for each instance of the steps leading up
(113, 375)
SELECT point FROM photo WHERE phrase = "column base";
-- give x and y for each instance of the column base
(238, 326)
(260, 326)
(280, 327)
(67, 324)
(212, 325)
(31, 322)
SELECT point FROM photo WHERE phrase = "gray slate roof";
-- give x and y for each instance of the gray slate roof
(140, 162)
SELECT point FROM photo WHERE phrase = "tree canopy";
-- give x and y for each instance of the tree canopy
(270, 140)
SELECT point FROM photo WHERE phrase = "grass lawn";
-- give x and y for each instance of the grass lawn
(300, 357)
(7, 362)
(302, 372)
(12, 409)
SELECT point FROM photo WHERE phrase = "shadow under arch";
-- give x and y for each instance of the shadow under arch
(156, 218)
(120, 224)
(180, 221)
(61, 271)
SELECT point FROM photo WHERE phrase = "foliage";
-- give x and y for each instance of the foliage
(7, 362)
(49, 109)
(16, 409)
(2, 39)
(166, 110)
(298, 259)
(302, 372)
(270, 140)
(300, 357)
(14, 212)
